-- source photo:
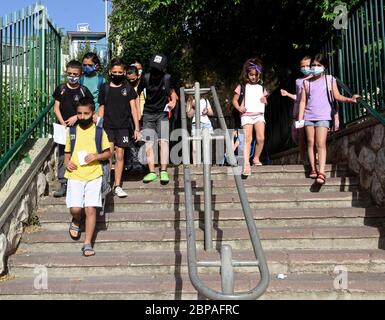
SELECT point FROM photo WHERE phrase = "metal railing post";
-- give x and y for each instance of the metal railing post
(198, 143)
(207, 189)
(227, 270)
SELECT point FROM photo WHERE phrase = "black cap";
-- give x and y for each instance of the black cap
(159, 62)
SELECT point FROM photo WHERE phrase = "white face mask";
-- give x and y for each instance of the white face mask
(317, 70)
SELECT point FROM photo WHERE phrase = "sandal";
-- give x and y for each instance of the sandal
(74, 228)
(313, 174)
(257, 163)
(246, 170)
(321, 179)
(88, 248)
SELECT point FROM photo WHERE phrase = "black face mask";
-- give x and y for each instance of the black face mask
(84, 122)
(117, 79)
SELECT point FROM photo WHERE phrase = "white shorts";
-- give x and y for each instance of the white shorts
(81, 194)
(252, 119)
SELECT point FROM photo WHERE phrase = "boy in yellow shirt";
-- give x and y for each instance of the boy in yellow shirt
(84, 172)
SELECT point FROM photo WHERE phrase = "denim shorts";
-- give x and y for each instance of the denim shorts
(319, 123)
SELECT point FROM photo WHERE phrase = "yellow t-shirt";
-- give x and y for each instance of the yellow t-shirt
(85, 141)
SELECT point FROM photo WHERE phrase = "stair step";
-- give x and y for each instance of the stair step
(58, 221)
(253, 183)
(108, 263)
(296, 286)
(167, 239)
(226, 201)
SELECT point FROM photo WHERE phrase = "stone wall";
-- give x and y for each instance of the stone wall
(362, 148)
(21, 192)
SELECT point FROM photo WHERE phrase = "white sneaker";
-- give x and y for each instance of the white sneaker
(118, 191)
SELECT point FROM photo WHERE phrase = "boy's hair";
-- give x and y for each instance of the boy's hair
(250, 64)
(307, 58)
(117, 62)
(135, 61)
(93, 56)
(75, 65)
(86, 102)
(132, 70)
(322, 59)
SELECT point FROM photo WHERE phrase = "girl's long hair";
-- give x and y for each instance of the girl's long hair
(250, 64)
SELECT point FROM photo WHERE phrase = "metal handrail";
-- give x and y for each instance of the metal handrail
(13, 151)
(363, 103)
(226, 261)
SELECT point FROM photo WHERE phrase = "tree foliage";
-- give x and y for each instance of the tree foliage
(208, 40)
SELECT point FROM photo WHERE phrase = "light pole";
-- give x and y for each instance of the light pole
(106, 24)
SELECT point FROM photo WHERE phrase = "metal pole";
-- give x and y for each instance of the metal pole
(207, 189)
(227, 270)
(106, 17)
(198, 144)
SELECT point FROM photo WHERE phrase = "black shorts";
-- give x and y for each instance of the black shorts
(155, 127)
(119, 137)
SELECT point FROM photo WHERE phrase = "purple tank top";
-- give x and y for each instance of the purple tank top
(318, 105)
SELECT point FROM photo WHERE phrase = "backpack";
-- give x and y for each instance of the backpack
(333, 103)
(106, 187)
(100, 80)
(63, 88)
(166, 87)
(107, 88)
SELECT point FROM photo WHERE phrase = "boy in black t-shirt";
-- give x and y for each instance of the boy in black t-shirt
(67, 96)
(118, 108)
(159, 94)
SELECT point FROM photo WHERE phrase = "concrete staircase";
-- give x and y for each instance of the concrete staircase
(306, 232)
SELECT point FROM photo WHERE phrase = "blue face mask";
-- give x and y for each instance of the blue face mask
(88, 70)
(306, 71)
(317, 70)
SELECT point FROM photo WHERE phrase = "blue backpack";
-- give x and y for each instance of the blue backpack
(106, 187)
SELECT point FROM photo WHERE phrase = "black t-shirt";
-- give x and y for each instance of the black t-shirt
(156, 95)
(117, 109)
(68, 98)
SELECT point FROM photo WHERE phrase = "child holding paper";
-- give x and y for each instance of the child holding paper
(66, 96)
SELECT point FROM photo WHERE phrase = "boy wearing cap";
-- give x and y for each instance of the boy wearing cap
(160, 100)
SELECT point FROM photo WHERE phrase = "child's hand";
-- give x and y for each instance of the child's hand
(71, 166)
(71, 121)
(137, 135)
(284, 93)
(91, 158)
(242, 110)
(171, 105)
(355, 97)
(264, 100)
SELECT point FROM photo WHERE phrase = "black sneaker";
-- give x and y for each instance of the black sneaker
(62, 192)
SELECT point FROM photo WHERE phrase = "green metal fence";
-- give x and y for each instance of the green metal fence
(357, 57)
(30, 55)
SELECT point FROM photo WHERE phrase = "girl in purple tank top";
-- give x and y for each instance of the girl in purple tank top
(316, 110)
(298, 135)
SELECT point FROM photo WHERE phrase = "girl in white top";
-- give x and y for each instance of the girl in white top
(250, 99)
(205, 112)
